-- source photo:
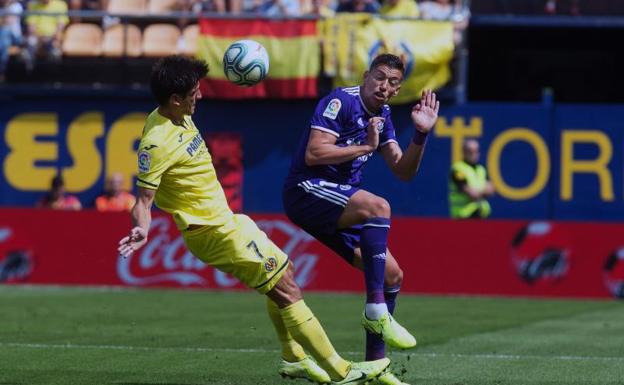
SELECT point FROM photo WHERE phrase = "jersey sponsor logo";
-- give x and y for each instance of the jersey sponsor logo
(345, 187)
(270, 264)
(360, 122)
(144, 161)
(195, 144)
(331, 111)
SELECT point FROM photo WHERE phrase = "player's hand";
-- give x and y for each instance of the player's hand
(425, 113)
(375, 125)
(133, 242)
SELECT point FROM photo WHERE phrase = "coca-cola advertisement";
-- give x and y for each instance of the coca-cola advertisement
(438, 256)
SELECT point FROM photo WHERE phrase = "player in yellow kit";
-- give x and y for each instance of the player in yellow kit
(176, 172)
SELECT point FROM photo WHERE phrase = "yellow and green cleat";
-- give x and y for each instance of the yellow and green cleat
(364, 372)
(305, 369)
(388, 378)
(390, 331)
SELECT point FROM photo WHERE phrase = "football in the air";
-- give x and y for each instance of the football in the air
(246, 63)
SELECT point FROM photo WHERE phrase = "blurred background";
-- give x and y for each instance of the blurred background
(535, 85)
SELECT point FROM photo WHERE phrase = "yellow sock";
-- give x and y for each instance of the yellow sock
(308, 332)
(291, 350)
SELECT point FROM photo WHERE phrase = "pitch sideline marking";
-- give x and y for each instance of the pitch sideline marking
(242, 350)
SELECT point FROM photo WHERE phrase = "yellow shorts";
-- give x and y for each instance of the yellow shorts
(241, 249)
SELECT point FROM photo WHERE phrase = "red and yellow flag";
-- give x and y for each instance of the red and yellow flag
(294, 54)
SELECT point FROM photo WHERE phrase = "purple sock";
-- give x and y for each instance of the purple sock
(373, 243)
(375, 346)
(390, 294)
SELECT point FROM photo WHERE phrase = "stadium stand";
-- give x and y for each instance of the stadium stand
(190, 36)
(160, 40)
(113, 44)
(159, 7)
(130, 7)
(81, 39)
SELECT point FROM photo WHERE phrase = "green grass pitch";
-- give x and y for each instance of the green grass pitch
(52, 335)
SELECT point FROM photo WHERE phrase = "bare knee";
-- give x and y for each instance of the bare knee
(377, 207)
(393, 277)
(286, 291)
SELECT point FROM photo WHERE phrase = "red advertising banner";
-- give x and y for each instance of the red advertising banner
(568, 259)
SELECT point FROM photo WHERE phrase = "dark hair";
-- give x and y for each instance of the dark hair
(57, 181)
(175, 74)
(389, 60)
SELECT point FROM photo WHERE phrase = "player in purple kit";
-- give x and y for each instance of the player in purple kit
(321, 193)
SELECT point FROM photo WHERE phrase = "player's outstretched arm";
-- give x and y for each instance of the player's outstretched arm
(141, 219)
(322, 147)
(424, 116)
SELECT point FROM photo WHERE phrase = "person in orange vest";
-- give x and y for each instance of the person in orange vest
(114, 197)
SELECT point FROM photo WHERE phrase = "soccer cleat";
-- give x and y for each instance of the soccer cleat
(363, 372)
(388, 378)
(305, 369)
(391, 331)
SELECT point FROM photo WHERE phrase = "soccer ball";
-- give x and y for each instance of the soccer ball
(245, 63)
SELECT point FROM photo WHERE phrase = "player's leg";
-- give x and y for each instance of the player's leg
(308, 332)
(375, 346)
(373, 213)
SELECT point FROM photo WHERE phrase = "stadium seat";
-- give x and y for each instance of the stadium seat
(160, 40)
(133, 7)
(82, 40)
(113, 44)
(190, 34)
(161, 6)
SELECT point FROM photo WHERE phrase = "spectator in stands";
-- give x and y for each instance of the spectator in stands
(552, 7)
(201, 6)
(57, 199)
(399, 8)
(45, 31)
(281, 8)
(452, 10)
(114, 197)
(322, 8)
(368, 6)
(10, 32)
(86, 5)
(469, 185)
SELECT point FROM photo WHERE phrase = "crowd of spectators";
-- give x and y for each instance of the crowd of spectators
(39, 35)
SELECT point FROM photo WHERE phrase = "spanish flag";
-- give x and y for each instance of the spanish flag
(294, 54)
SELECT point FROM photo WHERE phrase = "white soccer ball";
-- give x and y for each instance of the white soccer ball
(246, 63)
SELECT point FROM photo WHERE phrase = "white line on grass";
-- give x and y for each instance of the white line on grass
(241, 350)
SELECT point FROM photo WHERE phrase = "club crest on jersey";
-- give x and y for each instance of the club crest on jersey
(331, 111)
(144, 161)
(270, 264)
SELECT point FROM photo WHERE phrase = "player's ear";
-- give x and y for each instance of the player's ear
(175, 100)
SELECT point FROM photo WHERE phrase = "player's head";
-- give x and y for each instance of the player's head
(382, 81)
(471, 151)
(175, 82)
(57, 187)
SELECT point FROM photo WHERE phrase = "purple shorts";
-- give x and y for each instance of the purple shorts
(315, 205)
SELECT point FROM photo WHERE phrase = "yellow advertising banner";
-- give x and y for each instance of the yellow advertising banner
(351, 42)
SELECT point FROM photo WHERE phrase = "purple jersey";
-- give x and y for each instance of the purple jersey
(341, 113)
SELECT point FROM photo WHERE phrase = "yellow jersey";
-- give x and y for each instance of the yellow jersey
(174, 161)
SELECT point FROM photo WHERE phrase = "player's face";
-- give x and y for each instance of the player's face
(380, 84)
(190, 100)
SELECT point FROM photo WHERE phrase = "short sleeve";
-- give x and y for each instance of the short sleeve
(330, 114)
(153, 162)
